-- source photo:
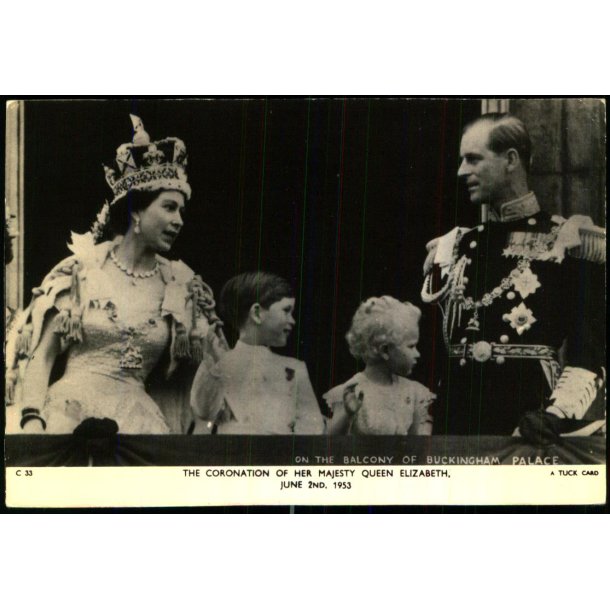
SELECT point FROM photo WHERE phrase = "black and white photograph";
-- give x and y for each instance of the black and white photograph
(316, 300)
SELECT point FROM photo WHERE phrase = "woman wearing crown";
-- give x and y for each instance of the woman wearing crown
(127, 319)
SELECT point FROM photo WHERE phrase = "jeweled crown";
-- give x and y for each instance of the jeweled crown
(147, 166)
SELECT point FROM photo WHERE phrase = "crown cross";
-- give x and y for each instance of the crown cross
(153, 157)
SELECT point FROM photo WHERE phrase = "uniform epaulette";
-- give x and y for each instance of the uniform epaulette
(592, 245)
(579, 238)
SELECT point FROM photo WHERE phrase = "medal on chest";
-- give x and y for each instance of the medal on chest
(521, 280)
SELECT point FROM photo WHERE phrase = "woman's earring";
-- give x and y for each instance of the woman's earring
(137, 229)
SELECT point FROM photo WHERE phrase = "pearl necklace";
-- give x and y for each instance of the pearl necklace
(130, 272)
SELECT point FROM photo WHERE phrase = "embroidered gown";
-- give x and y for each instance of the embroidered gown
(127, 332)
(125, 337)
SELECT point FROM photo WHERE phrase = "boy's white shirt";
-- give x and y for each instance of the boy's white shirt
(265, 392)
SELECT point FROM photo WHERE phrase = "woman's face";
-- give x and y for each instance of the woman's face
(161, 221)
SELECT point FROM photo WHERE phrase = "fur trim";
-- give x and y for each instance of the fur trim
(11, 382)
(24, 340)
(62, 322)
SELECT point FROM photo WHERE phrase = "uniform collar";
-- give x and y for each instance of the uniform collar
(517, 209)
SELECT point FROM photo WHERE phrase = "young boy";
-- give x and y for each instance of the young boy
(252, 390)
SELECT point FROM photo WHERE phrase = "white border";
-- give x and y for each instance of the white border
(318, 47)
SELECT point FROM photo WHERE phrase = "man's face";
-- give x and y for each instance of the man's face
(483, 170)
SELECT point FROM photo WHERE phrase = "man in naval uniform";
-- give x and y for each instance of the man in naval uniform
(522, 301)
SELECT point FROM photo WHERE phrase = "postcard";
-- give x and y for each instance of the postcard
(305, 301)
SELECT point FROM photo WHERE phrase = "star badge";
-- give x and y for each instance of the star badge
(526, 282)
(521, 318)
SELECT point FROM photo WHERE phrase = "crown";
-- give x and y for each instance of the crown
(142, 165)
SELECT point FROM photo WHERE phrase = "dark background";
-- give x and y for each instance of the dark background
(339, 196)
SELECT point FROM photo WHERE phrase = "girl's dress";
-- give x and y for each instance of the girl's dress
(115, 332)
(395, 409)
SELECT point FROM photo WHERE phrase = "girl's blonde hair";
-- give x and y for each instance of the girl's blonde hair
(380, 321)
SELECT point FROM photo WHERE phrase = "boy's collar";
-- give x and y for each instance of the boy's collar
(247, 347)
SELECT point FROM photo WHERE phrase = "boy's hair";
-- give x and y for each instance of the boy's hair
(242, 291)
(380, 321)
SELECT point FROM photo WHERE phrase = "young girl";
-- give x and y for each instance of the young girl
(252, 390)
(380, 400)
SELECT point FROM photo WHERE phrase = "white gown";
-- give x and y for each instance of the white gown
(124, 336)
